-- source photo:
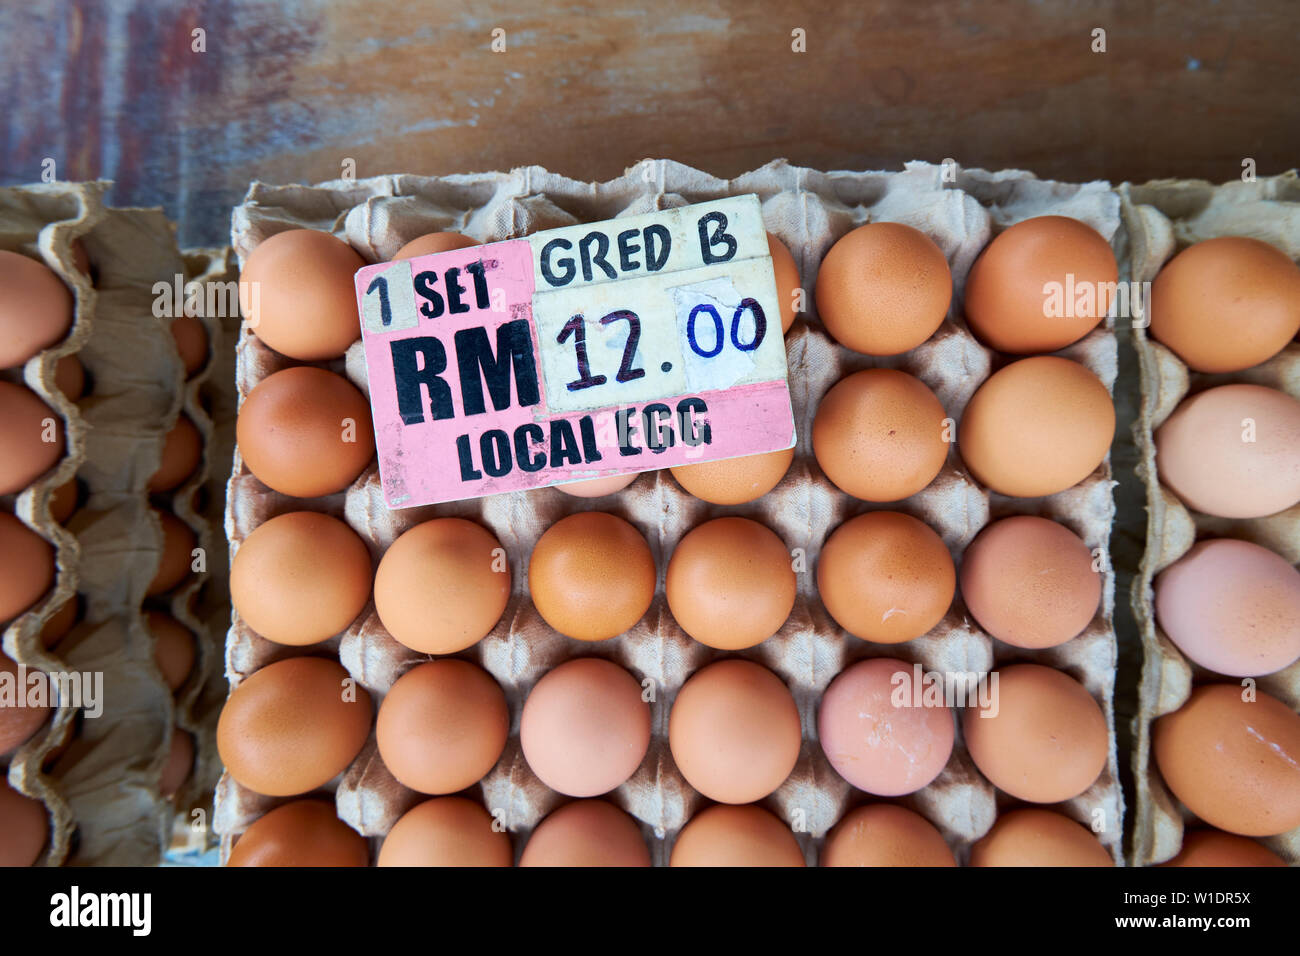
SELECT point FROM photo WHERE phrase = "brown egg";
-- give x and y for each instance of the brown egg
(1226, 304)
(886, 577)
(1216, 848)
(883, 288)
(293, 726)
(174, 650)
(191, 342)
(734, 731)
(585, 727)
(181, 451)
(24, 827)
(586, 833)
(442, 585)
(880, 435)
(80, 259)
(26, 566)
(735, 481)
(300, 578)
(35, 308)
(1042, 738)
(1040, 285)
(1233, 762)
(591, 576)
(70, 377)
(731, 583)
(59, 623)
(26, 423)
(1036, 427)
(63, 501)
(180, 761)
(1033, 837)
(178, 544)
(1030, 582)
(300, 833)
(735, 836)
(442, 726)
(1233, 451)
(881, 834)
(871, 741)
(296, 294)
(305, 432)
(57, 745)
(19, 718)
(596, 487)
(432, 243)
(786, 274)
(1232, 606)
(446, 831)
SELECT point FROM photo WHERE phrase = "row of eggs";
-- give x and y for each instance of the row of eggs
(1230, 451)
(455, 831)
(303, 577)
(733, 728)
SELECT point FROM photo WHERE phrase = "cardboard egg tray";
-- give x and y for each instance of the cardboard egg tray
(99, 777)
(1161, 219)
(202, 601)
(808, 210)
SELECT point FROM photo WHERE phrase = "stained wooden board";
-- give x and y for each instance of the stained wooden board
(116, 90)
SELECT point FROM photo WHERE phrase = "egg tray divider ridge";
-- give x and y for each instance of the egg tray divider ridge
(1162, 218)
(202, 602)
(102, 792)
(808, 210)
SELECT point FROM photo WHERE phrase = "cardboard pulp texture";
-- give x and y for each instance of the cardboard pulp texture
(99, 776)
(1162, 218)
(202, 601)
(809, 211)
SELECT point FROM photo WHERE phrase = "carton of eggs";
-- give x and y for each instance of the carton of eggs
(107, 446)
(693, 667)
(1218, 594)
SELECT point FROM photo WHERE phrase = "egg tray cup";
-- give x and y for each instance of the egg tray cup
(808, 210)
(99, 777)
(1161, 218)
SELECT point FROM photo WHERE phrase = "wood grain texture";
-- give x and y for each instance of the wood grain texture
(288, 92)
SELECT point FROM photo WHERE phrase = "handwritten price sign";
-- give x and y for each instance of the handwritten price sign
(576, 353)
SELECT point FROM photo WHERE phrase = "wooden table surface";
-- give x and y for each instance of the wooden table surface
(116, 89)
